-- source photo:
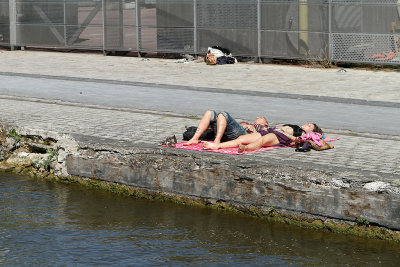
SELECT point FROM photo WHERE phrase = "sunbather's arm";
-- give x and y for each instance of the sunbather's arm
(250, 128)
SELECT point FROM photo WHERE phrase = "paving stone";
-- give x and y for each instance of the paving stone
(376, 154)
(355, 83)
(352, 152)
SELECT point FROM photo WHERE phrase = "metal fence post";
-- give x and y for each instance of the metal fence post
(65, 23)
(121, 25)
(259, 30)
(330, 44)
(103, 23)
(13, 23)
(303, 28)
(195, 27)
(138, 28)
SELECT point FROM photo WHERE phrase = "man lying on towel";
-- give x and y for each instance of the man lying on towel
(225, 127)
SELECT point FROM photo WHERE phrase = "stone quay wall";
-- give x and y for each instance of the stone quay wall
(258, 186)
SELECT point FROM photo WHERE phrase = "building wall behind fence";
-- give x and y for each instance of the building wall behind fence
(363, 31)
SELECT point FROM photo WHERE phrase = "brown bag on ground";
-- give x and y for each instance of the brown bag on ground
(319, 148)
(211, 59)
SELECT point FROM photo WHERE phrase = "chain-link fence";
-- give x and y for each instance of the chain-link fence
(363, 31)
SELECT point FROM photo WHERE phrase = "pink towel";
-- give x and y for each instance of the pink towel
(233, 150)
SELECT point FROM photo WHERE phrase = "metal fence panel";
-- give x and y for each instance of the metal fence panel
(84, 20)
(62, 23)
(241, 42)
(39, 23)
(286, 15)
(175, 26)
(365, 48)
(360, 31)
(295, 29)
(227, 14)
(280, 44)
(4, 23)
(120, 31)
(228, 23)
(366, 31)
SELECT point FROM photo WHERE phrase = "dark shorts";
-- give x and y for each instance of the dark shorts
(283, 139)
(233, 128)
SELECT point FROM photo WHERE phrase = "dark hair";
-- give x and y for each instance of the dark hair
(317, 129)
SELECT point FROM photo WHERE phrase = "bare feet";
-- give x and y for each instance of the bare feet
(209, 145)
(191, 142)
(241, 148)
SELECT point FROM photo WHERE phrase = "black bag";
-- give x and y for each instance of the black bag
(208, 135)
(225, 60)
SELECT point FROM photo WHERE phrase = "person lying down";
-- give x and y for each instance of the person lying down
(225, 127)
(285, 135)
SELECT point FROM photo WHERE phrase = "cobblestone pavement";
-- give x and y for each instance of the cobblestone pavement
(351, 83)
(377, 155)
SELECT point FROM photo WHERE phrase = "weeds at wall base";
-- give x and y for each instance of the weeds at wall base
(360, 228)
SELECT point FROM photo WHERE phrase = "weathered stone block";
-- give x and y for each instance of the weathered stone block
(243, 183)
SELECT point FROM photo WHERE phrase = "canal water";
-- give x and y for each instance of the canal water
(47, 224)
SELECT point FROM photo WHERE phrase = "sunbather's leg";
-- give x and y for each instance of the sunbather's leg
(265, 141)
(244, 139)
(228, 128)
(221, 127)
(201, 128)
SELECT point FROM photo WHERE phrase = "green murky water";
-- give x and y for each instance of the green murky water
(47, 224)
